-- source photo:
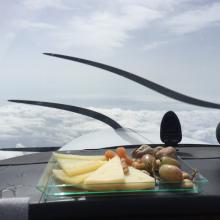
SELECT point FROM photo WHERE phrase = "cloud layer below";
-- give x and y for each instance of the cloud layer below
(38, 126)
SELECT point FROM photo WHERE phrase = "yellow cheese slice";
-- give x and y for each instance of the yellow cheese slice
(77, 167)
(107, 176)
(60, 175)
(79, 157)
(136, 179)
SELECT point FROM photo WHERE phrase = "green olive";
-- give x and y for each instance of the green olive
(185, 175)
(169, 160)
(186, 183)
(167, 151)
(170, 173)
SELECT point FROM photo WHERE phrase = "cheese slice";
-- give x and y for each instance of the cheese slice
(79, 157)
(61, 175)
(136, 179)
(77, 167)
(106, 176)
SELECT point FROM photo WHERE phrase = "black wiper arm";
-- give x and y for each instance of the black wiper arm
(83, 111)
(140, 80)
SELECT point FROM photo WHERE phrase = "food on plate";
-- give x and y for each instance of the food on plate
(111, 172)
(170, 173)
(138, 164)
(156, 149)
(185, 175)
(62, 176)
(117, 170)
(169, 160)
(109, 154)
(122, 153)
(149, 162)
(142, 150)
(186, 183)
(80, 157)
(124, 166)
(157, 165)
(166, 151)
(114, 174)
(78, 166)
(138, 180)
(162, 164)
(144, 171)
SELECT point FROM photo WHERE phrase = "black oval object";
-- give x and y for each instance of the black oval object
(218, 132)
(170, 129)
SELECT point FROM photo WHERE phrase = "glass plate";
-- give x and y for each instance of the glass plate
(51, 187)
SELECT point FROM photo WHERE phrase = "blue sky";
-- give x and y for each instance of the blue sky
(173, 43)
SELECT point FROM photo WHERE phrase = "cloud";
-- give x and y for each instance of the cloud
(42, 4)
(25, 24)
(39, 126)
(195, 19)
(105, 28)
(154, 45)
(106, 25)
(109, 25)
(6, 41)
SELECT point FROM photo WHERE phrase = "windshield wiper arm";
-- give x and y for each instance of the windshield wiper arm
(83, 111)
(87, 112)
(140, 80)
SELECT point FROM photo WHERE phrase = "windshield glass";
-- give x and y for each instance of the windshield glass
(174, 44)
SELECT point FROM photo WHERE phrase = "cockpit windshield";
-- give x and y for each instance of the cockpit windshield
(174, 45)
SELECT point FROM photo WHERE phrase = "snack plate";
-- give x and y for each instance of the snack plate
(52, 188)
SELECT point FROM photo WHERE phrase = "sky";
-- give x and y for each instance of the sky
(173, 43)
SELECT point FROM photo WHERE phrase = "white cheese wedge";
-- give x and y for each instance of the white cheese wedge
(61, 175)
(136, 179)
(79, 157)
(107, 176)
(77, 167)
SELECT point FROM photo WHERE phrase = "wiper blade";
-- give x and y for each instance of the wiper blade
(119, 130)
(140, 80)
(83, 111)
